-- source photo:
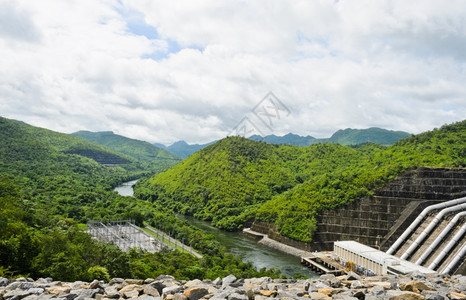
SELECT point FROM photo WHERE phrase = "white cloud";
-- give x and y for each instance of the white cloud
(164, 71)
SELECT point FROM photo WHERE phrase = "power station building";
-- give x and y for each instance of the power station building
(371, 261)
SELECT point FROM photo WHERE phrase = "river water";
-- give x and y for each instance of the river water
(240, 244)
(126, 188)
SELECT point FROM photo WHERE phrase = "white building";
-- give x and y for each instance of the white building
(378, 262)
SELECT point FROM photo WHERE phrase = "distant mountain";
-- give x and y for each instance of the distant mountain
(140, 150)
(373, 135)
(343, 136)
(183, 149)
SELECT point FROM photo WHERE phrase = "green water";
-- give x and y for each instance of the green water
(250, 250)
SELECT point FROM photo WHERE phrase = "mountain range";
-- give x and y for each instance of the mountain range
(343, 136)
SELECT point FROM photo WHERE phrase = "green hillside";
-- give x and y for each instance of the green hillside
(238, 180)
(159, 159)
(47, 190)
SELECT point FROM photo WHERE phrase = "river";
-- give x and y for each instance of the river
(239, 244)
(126, 188)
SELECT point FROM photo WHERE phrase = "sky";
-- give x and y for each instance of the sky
(163, 71)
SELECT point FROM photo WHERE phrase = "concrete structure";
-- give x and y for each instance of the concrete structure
(369, 260)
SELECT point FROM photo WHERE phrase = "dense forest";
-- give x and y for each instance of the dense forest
(236, 180)
(52, 183)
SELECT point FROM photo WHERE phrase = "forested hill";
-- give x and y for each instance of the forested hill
(237, 180)
(143, 151)
(47, 191)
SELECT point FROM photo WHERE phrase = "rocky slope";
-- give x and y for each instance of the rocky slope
(351, 286)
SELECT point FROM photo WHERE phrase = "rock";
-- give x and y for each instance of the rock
(131, 294)
(3, 281)
(356, 284)
(26, 285)
(134, 281)
(377, 291)
(236, 296)
(130, 288)
(315, 286)
(415, 286)
(84, 293)
(171, 290)
(58, 290)
(21, 279)
(111, 292)
(318, 296)
(429, 295)
(217, 281)
(96, 284)
(151, 291)
(454, 295)
(16, 294)
(192, 283)
(227, 281)
(149, 280)
(196, 293)
(384, 284)
(326, 291)
(180, 296)
(353, 276)
(328, 277)
(404, 295)
(116, 281)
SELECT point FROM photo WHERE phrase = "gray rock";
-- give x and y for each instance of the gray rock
(236, 296)
(26, 285)
(116, 281)
(151, 291)
(315, 286)
(36, 291)
(84, 293)
(356, 284)
(96, 284)
(353, 276)
(287, 294)
(165, 277)
(111, 292)
(431, 295)
(217, 281)
(180, 296)
(13, 286)
(77, 285)
(149, 280)
(377, 291)
(21, 279)
(16, 294)
(196, 293)
(227, 281)
(170, 290)
(3, 281)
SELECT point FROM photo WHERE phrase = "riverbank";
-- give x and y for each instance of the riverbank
(165, 287)
(263, 239)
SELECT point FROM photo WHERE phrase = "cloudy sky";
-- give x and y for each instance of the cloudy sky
(163, 71)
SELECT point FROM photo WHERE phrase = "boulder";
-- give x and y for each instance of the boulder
(151, 291)
(196, 293)
(227, 281)
(58, 290)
